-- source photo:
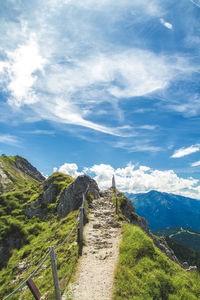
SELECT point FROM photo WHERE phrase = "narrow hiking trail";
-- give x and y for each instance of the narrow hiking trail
(100, 254)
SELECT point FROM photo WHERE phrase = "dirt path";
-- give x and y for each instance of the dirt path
(100, 254)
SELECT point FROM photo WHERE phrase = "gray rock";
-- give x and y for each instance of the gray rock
(71, 198)
(185, 265)
(23, 165)
(50, 191)
(192, 268)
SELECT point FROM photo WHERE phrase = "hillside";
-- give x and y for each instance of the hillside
(167, 210)
(184, 253)
(188, 237)
(144, 272)
(36, 215)
(30, 222)
(16, 173)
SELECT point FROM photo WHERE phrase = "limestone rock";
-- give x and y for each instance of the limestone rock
(50, 191)
(71, 198)
(23, 165)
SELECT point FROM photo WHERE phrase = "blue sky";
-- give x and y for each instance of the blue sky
(104, 87)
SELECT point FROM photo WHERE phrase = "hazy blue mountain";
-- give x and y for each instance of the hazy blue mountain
(167, 210)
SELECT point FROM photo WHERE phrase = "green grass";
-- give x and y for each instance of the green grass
(184, 253)
(40, 236)
(144, 272)
(17, 179)
(32, 237)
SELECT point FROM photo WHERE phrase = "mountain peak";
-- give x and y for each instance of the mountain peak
(17, 173)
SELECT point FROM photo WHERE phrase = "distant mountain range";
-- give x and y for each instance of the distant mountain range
(163, 210)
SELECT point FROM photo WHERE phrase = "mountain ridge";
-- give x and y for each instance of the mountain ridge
(35, 215)
(16, 173)
(163, 210)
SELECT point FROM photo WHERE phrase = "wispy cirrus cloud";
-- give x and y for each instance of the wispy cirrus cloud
(196, 2)
(186, 151)
(66, 70)
(9, 140)
(138, 146)
(196, 164)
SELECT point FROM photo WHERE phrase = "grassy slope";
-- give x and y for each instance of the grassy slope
(36, 236)
(144, 272)
(184, 253)
(18, 179)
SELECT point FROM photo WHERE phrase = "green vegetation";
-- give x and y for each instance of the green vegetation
(16, 179)
(188, 237)
(184, 253)
(144, 272)
(25, 241)
(39, 237)
(122, 202)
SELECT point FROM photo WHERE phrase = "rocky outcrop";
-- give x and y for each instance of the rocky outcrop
(23, 165)
(186, 266)
(68, 199)
(71, 198)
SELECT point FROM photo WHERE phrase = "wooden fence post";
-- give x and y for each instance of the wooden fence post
(55, 273)
(80, 231)
(33, 288)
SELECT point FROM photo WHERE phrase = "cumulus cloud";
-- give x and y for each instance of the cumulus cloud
(166, 24)
(21, 67)
(138, 179)
(70, 169)
(186, 151)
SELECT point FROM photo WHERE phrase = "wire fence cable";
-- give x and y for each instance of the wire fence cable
(23, 283)
(68, 234)
(45, 258)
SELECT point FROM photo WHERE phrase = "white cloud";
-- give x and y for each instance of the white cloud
(148, 127)
(21, 67)
(66, 70)
(137, 146)
(188, 109)
(41, 131)
(142, 179)
(70, 169)
(196, 164)
(166, 24)
(9, 139)
(186, 151)
(195, 2)
(138, 179)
